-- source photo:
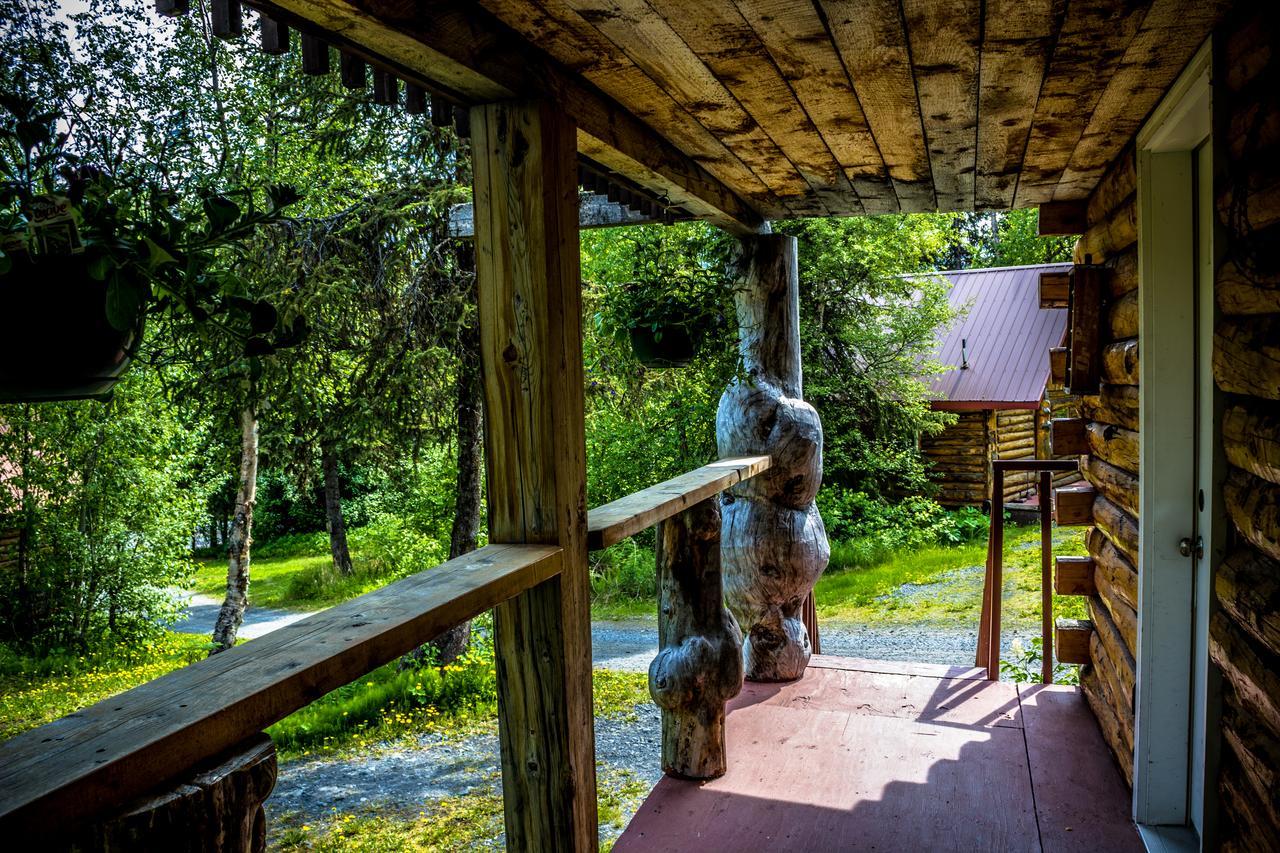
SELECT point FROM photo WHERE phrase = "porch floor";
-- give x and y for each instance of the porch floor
(872, 755)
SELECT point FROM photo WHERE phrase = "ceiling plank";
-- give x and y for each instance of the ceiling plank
(465, 51)
(729, 47)
(1093, 39)
(1169, 36)
(1017, 40)
(872, 43)
(797, 39)
(944, 40)
(553, 27)
(648, 41)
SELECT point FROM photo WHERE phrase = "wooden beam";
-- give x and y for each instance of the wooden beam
(1071, 636)
(613, 522)
(594, 211)
(1063, 218)
(1068, 436)
(1073, 576)
(1055, 288)
(1084, 369)
(529, 285)
(459, 49)
(1073, 505)
(71, 770)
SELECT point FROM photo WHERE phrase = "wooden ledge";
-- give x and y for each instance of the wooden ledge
(609, 524)
(77, 768)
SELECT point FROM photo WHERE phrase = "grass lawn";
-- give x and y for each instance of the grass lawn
(287, 583)
(941, 586)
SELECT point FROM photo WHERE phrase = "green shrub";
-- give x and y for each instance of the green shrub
(622, 575)
(1023, 665)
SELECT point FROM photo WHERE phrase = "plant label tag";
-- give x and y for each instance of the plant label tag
(53, 228)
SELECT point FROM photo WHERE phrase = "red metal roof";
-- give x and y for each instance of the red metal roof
(1008, 338)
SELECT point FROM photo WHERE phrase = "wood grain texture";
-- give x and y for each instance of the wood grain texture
(1251, 670)
(1084, 359)
(1017, 41)
(1240, 292)
(1068, 436)
(1113, 404)
(1073, 576)
(1073, 505)
(944, 36)
(871, 38)
(1112, 568)
(1119, 527)
(529, 288)
(699, 664)
(798, 41)
(1246, 355)
(1061, 218)
(74, 768)
(1251, 440)
(613, 522)
(1071, 640)
(1116, 484)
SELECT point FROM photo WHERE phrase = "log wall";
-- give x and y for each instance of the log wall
(1245, 632)
(960, 456)
(1111, 465)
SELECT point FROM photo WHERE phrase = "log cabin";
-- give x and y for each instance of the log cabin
(1149, 128)
(996, 382)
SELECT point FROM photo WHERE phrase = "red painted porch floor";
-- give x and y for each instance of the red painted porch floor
(872, 755)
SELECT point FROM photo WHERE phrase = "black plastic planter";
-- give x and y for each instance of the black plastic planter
(55, 341)
(669, 346)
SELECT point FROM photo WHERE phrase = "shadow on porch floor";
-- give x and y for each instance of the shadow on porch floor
(870, 755)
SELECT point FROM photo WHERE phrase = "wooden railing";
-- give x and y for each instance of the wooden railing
(989, 626)
(78, 768)
(57, 778)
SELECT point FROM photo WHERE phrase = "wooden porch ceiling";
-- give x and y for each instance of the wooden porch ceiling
(742, 109)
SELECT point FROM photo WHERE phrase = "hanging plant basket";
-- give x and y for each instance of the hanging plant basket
(55, 340)
(666, 346)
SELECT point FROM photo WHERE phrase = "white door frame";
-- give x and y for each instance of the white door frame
(1164, 760)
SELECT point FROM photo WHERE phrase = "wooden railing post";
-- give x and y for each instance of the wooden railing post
(699, 662)
(528, 281)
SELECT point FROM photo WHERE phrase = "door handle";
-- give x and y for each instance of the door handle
(1187, 548)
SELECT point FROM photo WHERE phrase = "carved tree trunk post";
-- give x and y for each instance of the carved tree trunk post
(774, 545)
(699, 662)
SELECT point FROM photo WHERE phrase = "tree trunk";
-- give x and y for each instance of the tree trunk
(241, 538)
(453, 643)
(333, 520)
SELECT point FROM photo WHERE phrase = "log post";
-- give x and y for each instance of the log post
(215, 809)
(773, 542)
(699, 662)
(529, 289)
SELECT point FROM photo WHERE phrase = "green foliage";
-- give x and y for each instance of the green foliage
(1025, 661)
(106, 500)
(623, 581)
(38, 689)
(908, 523)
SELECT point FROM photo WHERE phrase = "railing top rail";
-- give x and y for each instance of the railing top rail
(1036, 464)
(75, 768)
(613, 522)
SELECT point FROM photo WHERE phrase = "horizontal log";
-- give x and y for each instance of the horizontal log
(1055, 289)
(1241, 293)
(1109, 236)
(613, 522)
(1073, 576)
(1115, 445)
(1110, 640)
(1253, 505)
(74, 768)
(1016, 449)
(1251, 44)
(1251, 192)
(1246, 355)
(1253, 672)
(1122, 319)
(1117, 730)
(1258, 754)
(1123, 617)
(1251, 440)
(1071, 640)
(1120, 362)
(1073, 505)
(1120, 527)
(1114, 404)
(1117, 187)
(1124, 273)
(1068, 436)
(1118, 485)
(1246, 825)
(1247, 584)
(1112, 568)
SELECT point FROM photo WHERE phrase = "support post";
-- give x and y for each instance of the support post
(528, 282)
(699, 662)
(774, 544)
(1046, 577)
